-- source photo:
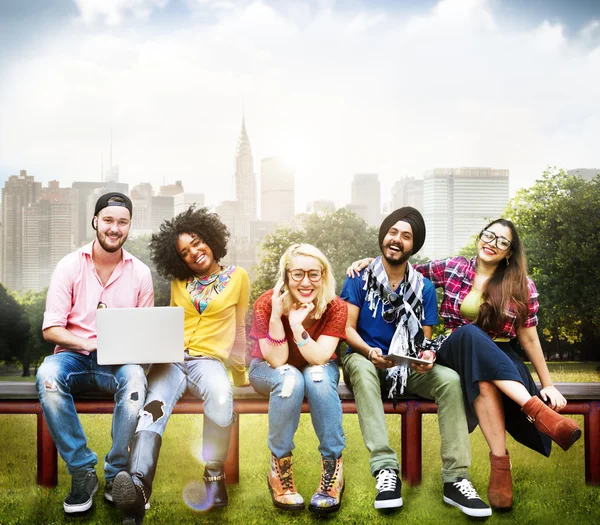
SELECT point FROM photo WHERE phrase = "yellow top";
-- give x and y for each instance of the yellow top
(469, 309)
(220, 330)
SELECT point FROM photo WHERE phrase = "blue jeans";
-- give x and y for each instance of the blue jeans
(207, 379)
(286, 387)
(66, 373)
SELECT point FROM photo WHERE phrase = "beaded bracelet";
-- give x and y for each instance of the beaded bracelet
(276, 342)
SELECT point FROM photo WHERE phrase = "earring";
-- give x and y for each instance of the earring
(507, 261)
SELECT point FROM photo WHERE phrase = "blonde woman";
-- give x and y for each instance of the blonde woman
(297, 327)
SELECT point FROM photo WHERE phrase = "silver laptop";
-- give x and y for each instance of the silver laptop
(139, 335)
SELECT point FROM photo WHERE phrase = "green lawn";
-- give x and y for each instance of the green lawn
(546, 490)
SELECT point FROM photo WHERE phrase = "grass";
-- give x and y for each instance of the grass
(546, 490)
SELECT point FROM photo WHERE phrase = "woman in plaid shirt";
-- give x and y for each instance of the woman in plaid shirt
(488, 302)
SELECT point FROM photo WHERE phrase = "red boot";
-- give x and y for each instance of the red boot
(560, 429)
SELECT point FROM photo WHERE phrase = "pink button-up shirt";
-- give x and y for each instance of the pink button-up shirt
(76, 290)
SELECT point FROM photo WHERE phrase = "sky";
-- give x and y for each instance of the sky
(335, 87)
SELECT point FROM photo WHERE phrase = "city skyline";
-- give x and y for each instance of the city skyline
(336, 88)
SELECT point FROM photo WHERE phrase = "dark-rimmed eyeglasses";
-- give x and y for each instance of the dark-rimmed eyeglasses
(314, 276)
(502, 243)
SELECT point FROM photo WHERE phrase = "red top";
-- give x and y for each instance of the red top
(332, 323)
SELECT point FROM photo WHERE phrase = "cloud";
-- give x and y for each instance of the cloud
(342, 91)
(113, 12)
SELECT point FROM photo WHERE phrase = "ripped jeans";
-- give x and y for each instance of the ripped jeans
(207, 379)
(286, 387)
(66, 373)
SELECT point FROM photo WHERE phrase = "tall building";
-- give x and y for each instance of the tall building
(245, 179)
(19, 192)
(320, 206)
(407, 191)
(182, 201)
(457, 202)
(162, 208)
(170, 190)
(366, 197)
(277, 193)
(47, 228)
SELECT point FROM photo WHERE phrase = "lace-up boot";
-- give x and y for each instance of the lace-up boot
(389, 489)
(328, 497)
(281, 484)
(461, 494)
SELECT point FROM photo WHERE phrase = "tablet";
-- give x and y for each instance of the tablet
(406, 360)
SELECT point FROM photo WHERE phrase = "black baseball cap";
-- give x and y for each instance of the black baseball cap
(103, 202)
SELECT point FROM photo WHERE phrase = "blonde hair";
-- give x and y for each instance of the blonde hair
(325, 294)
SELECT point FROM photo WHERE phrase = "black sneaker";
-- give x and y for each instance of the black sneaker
(108, 491)
(389, 489)
(461, 494)
(84, 484)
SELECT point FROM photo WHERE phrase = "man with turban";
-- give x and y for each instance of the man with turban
(391, 312)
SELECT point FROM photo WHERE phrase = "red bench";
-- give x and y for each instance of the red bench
(21, 398)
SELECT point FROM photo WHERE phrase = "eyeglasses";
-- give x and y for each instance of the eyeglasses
(502, 243)
(396, 301)
(314, 276)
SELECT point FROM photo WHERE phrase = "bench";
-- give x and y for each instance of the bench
(21, 398)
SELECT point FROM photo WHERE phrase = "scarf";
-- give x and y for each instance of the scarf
(203, 290)
(407, 314)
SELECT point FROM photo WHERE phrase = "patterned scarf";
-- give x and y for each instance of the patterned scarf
(407, 315)
(203, 290)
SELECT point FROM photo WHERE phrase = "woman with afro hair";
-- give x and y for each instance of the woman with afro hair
(187, 250)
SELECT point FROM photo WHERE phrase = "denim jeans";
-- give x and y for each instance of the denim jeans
(440, 384)
(286, 387)
(66, 373)
(207, 379)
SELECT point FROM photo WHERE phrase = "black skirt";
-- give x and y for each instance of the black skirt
(476, 357)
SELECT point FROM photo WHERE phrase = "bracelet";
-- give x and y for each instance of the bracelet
(301, 343)
(276, 342)
(369, 355)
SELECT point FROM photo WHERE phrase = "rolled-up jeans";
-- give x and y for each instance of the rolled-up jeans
(207, 379)
(286, 387)
(66, 373)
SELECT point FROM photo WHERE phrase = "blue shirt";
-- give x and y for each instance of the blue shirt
(374, 330)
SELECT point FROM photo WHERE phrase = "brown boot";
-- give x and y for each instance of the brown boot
(562, 430)
(500, 494)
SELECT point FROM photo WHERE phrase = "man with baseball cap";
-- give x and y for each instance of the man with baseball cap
(99, 275)
(391, 311)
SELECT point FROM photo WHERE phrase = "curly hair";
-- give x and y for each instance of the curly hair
(163, 245)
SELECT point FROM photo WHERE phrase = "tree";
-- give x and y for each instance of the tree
(34, 305)
(342, 236)
(14, 328)
(558, 219)
(162, 287)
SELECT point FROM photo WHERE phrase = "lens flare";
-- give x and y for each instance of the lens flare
(194, 496)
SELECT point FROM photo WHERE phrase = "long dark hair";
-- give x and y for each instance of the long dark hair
(506, 287)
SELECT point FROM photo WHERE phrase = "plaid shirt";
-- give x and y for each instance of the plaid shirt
(456, 275)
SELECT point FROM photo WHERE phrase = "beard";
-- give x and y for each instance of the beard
(108, 247)
(396, 262)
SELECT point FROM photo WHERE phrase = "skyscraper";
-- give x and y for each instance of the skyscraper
(407, 191)
(366, 197)
(19, 191)
(245, 180)
(457, 202)
(277, 193)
